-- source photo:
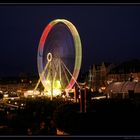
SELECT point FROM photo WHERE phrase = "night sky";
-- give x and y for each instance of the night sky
(109, 33)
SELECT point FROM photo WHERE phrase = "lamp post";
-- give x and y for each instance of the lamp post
(82, 97)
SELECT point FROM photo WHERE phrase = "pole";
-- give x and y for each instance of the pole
(82, 97)
(80, 101)
(51, 84)
(85, 106)
(75, 99)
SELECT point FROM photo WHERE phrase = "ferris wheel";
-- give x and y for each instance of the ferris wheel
(59, 57)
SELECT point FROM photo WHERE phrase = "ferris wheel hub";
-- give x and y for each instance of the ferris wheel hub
(49, 57)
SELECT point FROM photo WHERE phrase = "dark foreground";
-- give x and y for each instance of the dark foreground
(44, 117)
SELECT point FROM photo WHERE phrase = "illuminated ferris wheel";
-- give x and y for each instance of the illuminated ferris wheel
(59, 57)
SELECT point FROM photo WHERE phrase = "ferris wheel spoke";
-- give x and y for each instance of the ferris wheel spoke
(48, 74)
(70, 74)
(65, 74)
(54, 69)
(41, 76)
(58, 71)
(55, 64)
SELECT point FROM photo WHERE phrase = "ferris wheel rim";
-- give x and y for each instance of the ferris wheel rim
(77, 47)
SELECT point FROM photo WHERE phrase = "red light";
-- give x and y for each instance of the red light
(45, 34)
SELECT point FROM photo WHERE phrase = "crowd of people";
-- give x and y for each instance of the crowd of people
(43, 117)
(35, 119)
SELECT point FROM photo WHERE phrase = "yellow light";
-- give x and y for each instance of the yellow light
(103, 88)
(59, 132)
(63, 96)
(31, 92)
(47, 81)
(5, 95)
(56, 92)
(56, 88)
(57, 84)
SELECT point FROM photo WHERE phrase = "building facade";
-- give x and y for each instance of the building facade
(100, 76)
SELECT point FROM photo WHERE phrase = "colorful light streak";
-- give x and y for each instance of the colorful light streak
(77, 45)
